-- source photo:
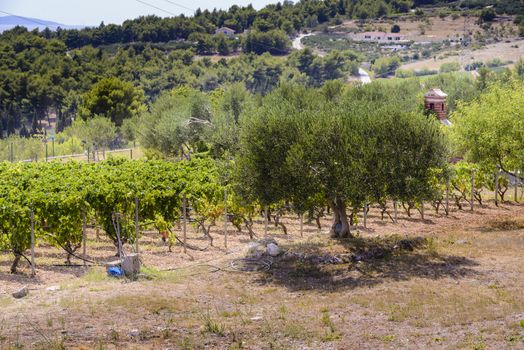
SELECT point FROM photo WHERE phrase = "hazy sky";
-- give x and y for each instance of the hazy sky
(92, 12)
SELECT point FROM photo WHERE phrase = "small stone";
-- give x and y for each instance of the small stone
(255, 250)
(256, 318)
(52, 288)
(134, 333)
(21, 293)
(273, 249)
(462, 241)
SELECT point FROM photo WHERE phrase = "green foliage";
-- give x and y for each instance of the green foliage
(490, 130)
(351, 148)
(449, 67)
(386, 65)
(114, 99)
(395, 28)
(60, 194)
(274, 41)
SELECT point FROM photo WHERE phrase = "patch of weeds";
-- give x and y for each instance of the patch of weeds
(432, 246)
(211, 326)
(53, 344)
(96, 274)
(294, 330)
(331, 333)
(439, 339)
(185, 344)
(513, 338)
(521, 323)
(114, 336)
(229, 314)
(5, 302)
(506, 225)
(396, 313)
(387, 338)
(236, 343)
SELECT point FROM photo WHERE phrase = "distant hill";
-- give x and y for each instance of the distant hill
(9, 22)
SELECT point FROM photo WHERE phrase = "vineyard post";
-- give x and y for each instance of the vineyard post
(422, 210)
(516, 194)
(301, 224)
(136, 225)
(53, 146)
(131, 154)
(365, 215)
(184, 221)
(84, 234)
(32, 243)
(396, 211)
(225, 218)
(120, 247)
(12, 153)
(472, 188)
(497, 185)
(46, 152)
(266, 221)
(447, 196)
(88, 155)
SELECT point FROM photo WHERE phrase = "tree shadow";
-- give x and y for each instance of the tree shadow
(369, 262)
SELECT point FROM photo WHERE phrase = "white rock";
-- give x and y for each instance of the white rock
(256, 318)
(134, 333)
(255, 250)
(52, 288)
(273, 249)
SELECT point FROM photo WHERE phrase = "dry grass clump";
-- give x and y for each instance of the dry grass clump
(506, 224)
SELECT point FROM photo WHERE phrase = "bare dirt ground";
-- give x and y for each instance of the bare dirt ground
(462, 289)
(512, 51)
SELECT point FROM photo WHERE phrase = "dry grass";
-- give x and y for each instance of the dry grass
(461, 289)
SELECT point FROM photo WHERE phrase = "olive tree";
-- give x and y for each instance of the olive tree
(298, 144)
(490, 129)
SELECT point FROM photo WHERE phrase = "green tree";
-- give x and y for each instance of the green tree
(347, 149)
(114, 99)
(490, 129)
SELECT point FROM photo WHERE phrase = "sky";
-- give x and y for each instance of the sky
(92, 12)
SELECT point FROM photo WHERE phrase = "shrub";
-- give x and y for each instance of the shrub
(395, 28)
(449, 67)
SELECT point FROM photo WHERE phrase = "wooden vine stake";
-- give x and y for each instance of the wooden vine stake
(266, 221)
(497, 185)
(301, 224)
(365, 215)
(516, 194)
(136, 225)
(396, 211)
(472, 188)
(225, 218)
(84, 236)
(447, 196)
(184, 228)
(33, 273)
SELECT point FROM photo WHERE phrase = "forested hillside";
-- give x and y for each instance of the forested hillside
(49, 73)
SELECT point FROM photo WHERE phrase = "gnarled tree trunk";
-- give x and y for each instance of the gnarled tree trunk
(340, 225)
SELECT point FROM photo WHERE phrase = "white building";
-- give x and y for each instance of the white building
(226, 31)
(379, 37)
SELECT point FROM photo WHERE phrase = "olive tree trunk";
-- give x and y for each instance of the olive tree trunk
(340, 224)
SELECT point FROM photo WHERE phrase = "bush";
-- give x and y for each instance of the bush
(400, 73)
(487, 15)
(449, 67)
(425, 71)
(395, 28)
